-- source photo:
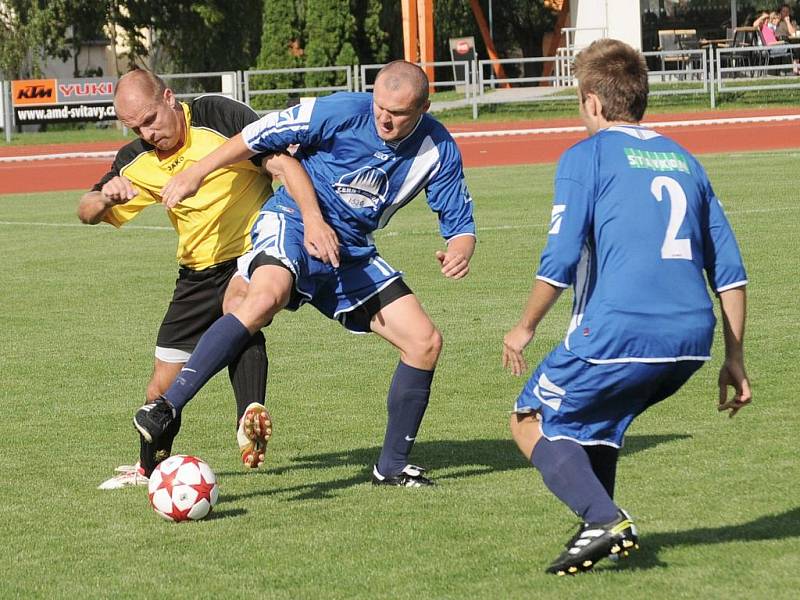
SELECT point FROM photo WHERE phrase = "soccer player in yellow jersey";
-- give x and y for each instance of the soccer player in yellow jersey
(213, 231)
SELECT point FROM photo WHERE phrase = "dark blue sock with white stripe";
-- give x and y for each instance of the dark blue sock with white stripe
(218, 347)
(567, 472)
(406, 404)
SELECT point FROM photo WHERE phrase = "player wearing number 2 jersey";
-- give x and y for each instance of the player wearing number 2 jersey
(635, 225)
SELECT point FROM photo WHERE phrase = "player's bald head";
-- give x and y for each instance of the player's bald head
(399, 74)
(140, 84)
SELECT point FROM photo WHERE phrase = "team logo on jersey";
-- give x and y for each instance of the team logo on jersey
(549, 393)
(555, 218)
(363, 188)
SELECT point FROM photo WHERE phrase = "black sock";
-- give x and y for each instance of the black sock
(567, 472)
(604, 464)
(406, 404)
(152, 453)
(248, 374)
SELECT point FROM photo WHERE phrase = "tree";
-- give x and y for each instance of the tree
(280, 49)
(329, 29)
(30, 30)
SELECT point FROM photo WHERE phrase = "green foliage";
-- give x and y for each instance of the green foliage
(280, 49)
(213, 35)
(30, 30)
(329, 27)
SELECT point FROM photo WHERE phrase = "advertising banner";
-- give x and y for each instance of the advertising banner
(63, 100)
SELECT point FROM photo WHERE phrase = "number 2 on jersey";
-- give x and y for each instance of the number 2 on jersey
(672, 246)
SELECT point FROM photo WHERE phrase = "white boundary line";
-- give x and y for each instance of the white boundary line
(383, 234)
(471, 134)
(650, 124)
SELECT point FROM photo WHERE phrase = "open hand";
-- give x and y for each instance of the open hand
(514, 343)
(181, 186)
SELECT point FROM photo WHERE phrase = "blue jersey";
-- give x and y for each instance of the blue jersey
(360, 179)
(634, 224)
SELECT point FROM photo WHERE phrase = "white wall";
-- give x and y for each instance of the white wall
(620, 18)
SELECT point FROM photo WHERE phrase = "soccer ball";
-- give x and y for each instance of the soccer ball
(183, 488)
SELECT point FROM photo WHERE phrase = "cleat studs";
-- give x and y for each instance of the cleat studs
(627, 543)
(626, 553)
(636, 546)
(587, 563)
(573, 569)
(615, 549)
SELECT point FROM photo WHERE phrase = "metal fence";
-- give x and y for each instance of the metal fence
(710, 71)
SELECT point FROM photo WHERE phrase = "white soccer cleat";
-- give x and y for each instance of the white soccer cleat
(128, 476)
(255, 429)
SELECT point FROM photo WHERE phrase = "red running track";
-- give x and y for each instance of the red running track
(81, 173)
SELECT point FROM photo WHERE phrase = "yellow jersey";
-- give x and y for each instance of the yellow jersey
(213, 226)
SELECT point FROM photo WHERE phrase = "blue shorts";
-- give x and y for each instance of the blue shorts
(595, 403)
(335, 292)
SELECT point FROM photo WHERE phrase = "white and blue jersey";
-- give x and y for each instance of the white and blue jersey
(360, 179)
(634, 225)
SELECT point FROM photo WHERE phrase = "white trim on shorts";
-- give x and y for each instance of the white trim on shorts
(172, 355)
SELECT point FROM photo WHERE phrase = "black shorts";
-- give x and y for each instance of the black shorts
(196, 304)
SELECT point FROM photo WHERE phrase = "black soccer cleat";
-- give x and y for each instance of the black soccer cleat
(595, 541)
(410, 476)
(152, 420)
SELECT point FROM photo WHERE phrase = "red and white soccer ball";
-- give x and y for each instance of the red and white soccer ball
(183, 488)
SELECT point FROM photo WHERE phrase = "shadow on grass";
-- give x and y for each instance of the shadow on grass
(461, 458)
(225, 513)
(769, 527)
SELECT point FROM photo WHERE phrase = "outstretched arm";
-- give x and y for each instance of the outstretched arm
(320, 239)
(186, 183)
(732, 373)
(542, 298)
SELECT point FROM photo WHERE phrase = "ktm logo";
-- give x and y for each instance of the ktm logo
(34, 91)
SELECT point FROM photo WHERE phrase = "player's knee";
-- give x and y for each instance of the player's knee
(426, 348)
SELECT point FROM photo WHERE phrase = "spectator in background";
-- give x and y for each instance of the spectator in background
(766, 23)
(786, 27)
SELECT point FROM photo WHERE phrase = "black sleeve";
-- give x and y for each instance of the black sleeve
(124, 157)
(225, 116)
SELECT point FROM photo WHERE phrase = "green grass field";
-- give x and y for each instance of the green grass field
(716, 500)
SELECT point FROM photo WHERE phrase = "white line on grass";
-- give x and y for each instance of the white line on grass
(35, 224)
(385, 233)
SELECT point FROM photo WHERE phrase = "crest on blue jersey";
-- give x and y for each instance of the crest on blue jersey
(363, 188)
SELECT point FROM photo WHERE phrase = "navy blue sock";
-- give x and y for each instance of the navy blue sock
(604, 464)
(406, 404)
(567, 472)
(219, 346)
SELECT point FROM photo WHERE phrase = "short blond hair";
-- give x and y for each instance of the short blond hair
(617, 74)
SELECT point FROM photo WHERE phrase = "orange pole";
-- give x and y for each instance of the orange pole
(410, 31)
(426, 41)
(487, 40)
(555, 42)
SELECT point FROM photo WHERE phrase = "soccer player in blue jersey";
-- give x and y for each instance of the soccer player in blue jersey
(634, 225)
(367, 155)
